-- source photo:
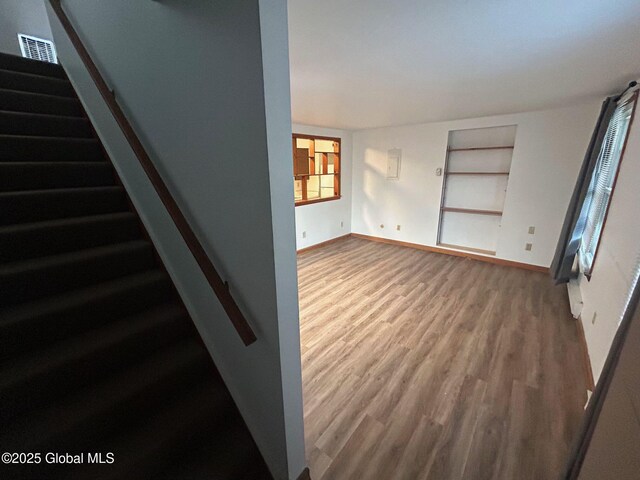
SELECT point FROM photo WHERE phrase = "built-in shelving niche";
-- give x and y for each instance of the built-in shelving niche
(476, 176)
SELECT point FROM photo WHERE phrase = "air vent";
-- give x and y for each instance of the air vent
(37, 48)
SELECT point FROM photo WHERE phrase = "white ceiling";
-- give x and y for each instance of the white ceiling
(365, 63)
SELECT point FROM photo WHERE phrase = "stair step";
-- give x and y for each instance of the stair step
(39, 205)
(25, 123)
(27, 65)
(16, 176)
(32, 240)
(159, 442)
(27, 280)
(103, 406)
(230, 453)
(97, 353)
(26, 148)
(17, 101)
(45, 321)
(28, 82)
(50, 372)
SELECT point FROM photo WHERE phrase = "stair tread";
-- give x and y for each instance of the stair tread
(35, 239)
(229, 453)
(21, 101)
(89, 402)
(62, 191)
(47, 224)
(173, 430)
(35, 75)
(48, 124)
(38, 81)
(43, 116)
(78, 347)
(59, 164)
(16, 63)
(72, 298)
(36, 138)
(35, 264)
(16, 148)
(71, 100)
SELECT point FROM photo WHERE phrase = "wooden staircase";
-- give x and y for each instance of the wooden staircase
(98, 353)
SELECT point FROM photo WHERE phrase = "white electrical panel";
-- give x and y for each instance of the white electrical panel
(393, 163)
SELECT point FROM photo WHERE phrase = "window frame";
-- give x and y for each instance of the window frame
(587, 271)
(338, 174)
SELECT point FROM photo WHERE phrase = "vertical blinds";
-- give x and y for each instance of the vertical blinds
(601, 186)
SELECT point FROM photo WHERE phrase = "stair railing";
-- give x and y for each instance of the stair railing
(220, 288)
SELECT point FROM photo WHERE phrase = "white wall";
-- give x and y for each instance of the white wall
(22, 16)
(326, 220)
(205, 86)
(613, 450)
(617, 259)
(549, 148)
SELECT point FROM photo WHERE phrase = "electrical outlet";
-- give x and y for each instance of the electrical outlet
(398, 227)
(532, 230)
(382, 225)
(304, 234)
(528, 247)
(593, 320)
(341, 224)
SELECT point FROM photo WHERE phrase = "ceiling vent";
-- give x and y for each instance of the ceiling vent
(37, 48)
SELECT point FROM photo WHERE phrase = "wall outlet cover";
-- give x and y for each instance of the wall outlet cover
(532, 230)
(304, 234)
(398, 227)
(528, 247)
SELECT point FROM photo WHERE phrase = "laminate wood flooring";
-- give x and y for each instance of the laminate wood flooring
(420, 365)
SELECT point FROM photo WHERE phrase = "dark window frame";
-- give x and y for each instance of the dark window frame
(303, 177)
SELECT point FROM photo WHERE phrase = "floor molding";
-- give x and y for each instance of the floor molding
(322, 244)
(586, 360)
(456, 253)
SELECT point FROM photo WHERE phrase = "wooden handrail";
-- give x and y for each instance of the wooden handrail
(220, 287)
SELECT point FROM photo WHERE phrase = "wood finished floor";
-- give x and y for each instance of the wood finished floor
(419, 365)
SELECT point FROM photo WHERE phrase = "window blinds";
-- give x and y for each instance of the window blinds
(599, 194)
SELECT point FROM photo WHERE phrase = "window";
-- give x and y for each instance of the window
(603, 181)
(316, 168)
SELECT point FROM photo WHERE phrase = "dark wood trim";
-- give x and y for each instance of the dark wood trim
(322, 244)
(471, 210)
(304, 177)
(585, 355)
(220, 287)
(316, 200)
(305, 475)
(613, 186)
(310, 136)
(455, 253)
